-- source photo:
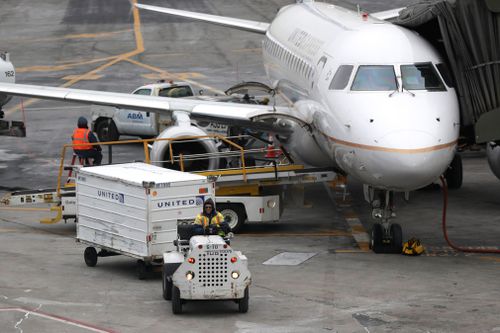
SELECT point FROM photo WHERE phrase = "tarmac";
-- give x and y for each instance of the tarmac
(336, 284)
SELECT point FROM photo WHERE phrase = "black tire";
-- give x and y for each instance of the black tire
(243, 303)
(166, 286)
(141, 269)
(396, 238)
(454, 173)
(90, 256)
(234, 215)
(176, 300)
(106, 130)
(376, 239)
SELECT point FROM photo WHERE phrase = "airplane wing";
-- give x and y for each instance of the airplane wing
(247, 115)
(247, 25)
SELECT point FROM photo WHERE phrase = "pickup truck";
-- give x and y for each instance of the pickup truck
(110, 123)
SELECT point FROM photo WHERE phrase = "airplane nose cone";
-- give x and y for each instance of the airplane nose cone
(422, 160)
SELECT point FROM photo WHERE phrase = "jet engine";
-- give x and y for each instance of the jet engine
(161, 154)
(493, 154)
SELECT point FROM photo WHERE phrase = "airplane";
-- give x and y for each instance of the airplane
(369, 99)
(8, 75)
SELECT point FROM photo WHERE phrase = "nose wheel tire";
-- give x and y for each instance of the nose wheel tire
(396, 238)
(377, 238)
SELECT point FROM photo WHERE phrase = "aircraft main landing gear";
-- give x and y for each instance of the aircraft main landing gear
(385, 237)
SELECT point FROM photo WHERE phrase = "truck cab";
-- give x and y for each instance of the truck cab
(109, 122)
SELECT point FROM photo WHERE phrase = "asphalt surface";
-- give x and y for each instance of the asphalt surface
(45, 285)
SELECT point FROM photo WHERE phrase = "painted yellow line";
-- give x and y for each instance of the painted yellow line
(167, 74)
(495, 259)
(25, 209)
(68, 65)
(114, 60)
(71, 36)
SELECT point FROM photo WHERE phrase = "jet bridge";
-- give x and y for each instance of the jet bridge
(467, 34)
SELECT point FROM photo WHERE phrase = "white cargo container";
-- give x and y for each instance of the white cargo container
(134, 208)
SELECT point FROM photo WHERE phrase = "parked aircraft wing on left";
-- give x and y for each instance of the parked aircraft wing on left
(233, 113)
(247, 25)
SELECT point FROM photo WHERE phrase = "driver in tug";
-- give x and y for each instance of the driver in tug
(210, 221)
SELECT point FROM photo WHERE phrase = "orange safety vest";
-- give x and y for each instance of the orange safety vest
(204, 220)
(80, 139)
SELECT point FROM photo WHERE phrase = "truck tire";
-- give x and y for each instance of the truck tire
(234, 215)
(141, 269)
(243, 303)
(90, 256)
(166, 286)
(176, 300)
(106, 130)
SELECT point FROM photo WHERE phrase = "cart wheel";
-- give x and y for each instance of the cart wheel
(167, 286)
(243, 303)
(141, 269)
(176, 300)
(234, 215)
(90, 256)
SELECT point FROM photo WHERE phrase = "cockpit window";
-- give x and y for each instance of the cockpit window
(421, 77)
(341, 77)
(375, 78)
(446, 74)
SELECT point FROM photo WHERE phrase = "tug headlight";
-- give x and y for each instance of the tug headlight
(189, 275)
(271, 203)
(235, 274)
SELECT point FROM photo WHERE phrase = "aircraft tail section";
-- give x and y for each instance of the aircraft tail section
(247, 25)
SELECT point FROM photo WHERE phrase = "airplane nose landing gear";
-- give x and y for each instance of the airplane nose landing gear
(385, 237)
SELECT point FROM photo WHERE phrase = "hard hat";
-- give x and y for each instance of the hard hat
(413, 247)
(82, 122)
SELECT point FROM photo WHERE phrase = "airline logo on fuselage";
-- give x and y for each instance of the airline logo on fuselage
(305, 42)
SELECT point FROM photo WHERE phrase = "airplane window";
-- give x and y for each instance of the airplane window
(446, 74)
(143, 92)
(375, 78)
(176, 92)
(341, 77)
(421, 77)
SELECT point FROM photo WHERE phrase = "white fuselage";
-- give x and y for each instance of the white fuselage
(398, 139)
(7, 74)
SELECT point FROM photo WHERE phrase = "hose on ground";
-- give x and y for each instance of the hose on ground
(445, 233)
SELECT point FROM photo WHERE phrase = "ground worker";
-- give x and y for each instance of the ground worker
(82, 138)
(210, 221)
